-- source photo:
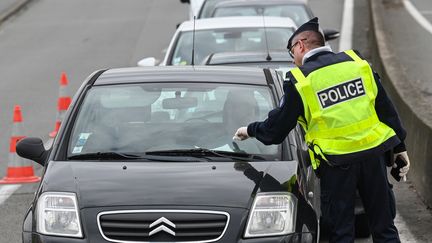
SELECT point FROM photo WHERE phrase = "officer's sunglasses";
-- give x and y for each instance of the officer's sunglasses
(290, 51)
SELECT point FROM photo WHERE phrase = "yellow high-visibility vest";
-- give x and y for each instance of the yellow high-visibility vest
(339, 109)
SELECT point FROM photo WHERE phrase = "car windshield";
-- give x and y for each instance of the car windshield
(227, 40)
(297, 13)
(138, 118)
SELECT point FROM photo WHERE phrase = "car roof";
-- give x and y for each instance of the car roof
(199, 74)
(246, 57)
(258, 2)
(237, 22)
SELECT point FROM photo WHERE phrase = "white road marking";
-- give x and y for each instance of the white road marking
(425, 12)
(6, 191)
(405, 234)
(417, 16)
(345, 42)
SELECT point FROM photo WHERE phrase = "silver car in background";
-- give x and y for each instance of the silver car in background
(229, 34)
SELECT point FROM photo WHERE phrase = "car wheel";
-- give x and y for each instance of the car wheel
(362, 229)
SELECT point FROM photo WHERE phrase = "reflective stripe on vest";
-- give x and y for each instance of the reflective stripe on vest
(339, 108)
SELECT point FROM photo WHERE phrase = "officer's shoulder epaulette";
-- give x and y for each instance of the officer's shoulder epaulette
(361, 56)
(376, 75)
(290, 78)
(358, 54)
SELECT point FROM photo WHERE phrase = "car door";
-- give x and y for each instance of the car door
(308, 180)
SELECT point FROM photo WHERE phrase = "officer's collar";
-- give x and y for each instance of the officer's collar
(316, 51)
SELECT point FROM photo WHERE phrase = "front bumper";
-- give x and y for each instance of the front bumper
(306, 227)
(305, 237)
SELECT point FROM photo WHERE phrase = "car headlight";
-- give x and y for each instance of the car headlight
(57, 214)
(272, 214)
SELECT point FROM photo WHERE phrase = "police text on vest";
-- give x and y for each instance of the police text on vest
(341, 92)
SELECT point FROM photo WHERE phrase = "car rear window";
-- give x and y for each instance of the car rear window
(227, 40)
(135, 118)
(297, 13)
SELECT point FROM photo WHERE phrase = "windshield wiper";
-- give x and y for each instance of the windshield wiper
(203, 152)
(104, 155)
(125, 156)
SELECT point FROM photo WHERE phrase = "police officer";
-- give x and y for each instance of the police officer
(351, 126)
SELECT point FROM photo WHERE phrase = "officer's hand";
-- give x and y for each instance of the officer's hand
(241, 134)
(404, 170)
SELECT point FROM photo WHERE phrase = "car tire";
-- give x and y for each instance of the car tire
(362, 228)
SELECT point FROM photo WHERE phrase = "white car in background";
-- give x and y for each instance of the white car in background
(229, 34)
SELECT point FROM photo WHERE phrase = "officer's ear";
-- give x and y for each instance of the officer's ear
(302, 46)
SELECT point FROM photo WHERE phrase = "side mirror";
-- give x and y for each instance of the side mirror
(33, 149)
(185, 1)
(147, 62)
(331, 34)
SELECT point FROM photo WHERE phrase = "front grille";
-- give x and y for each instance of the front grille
(163, 225)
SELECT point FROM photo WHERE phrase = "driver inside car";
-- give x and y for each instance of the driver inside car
(232, 116)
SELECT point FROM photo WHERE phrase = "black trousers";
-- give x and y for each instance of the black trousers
(338, 193)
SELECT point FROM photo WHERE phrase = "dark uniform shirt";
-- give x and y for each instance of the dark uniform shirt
(283, 119)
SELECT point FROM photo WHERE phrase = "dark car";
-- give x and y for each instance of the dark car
(147, 155)
(297, 10)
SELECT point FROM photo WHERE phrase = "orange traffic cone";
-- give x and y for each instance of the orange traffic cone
(19, 170)
(62, 104)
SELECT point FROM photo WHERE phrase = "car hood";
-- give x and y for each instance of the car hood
(227, 184)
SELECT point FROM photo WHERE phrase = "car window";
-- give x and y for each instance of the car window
(147, 117)
(297, 13)
(207, 8)
(227, 40)
(234, 11)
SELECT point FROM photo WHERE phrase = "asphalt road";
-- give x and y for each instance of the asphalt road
(81, 36)
(424, 7)
(415, 48)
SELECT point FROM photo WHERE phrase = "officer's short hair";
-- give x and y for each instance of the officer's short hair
(313, 38)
